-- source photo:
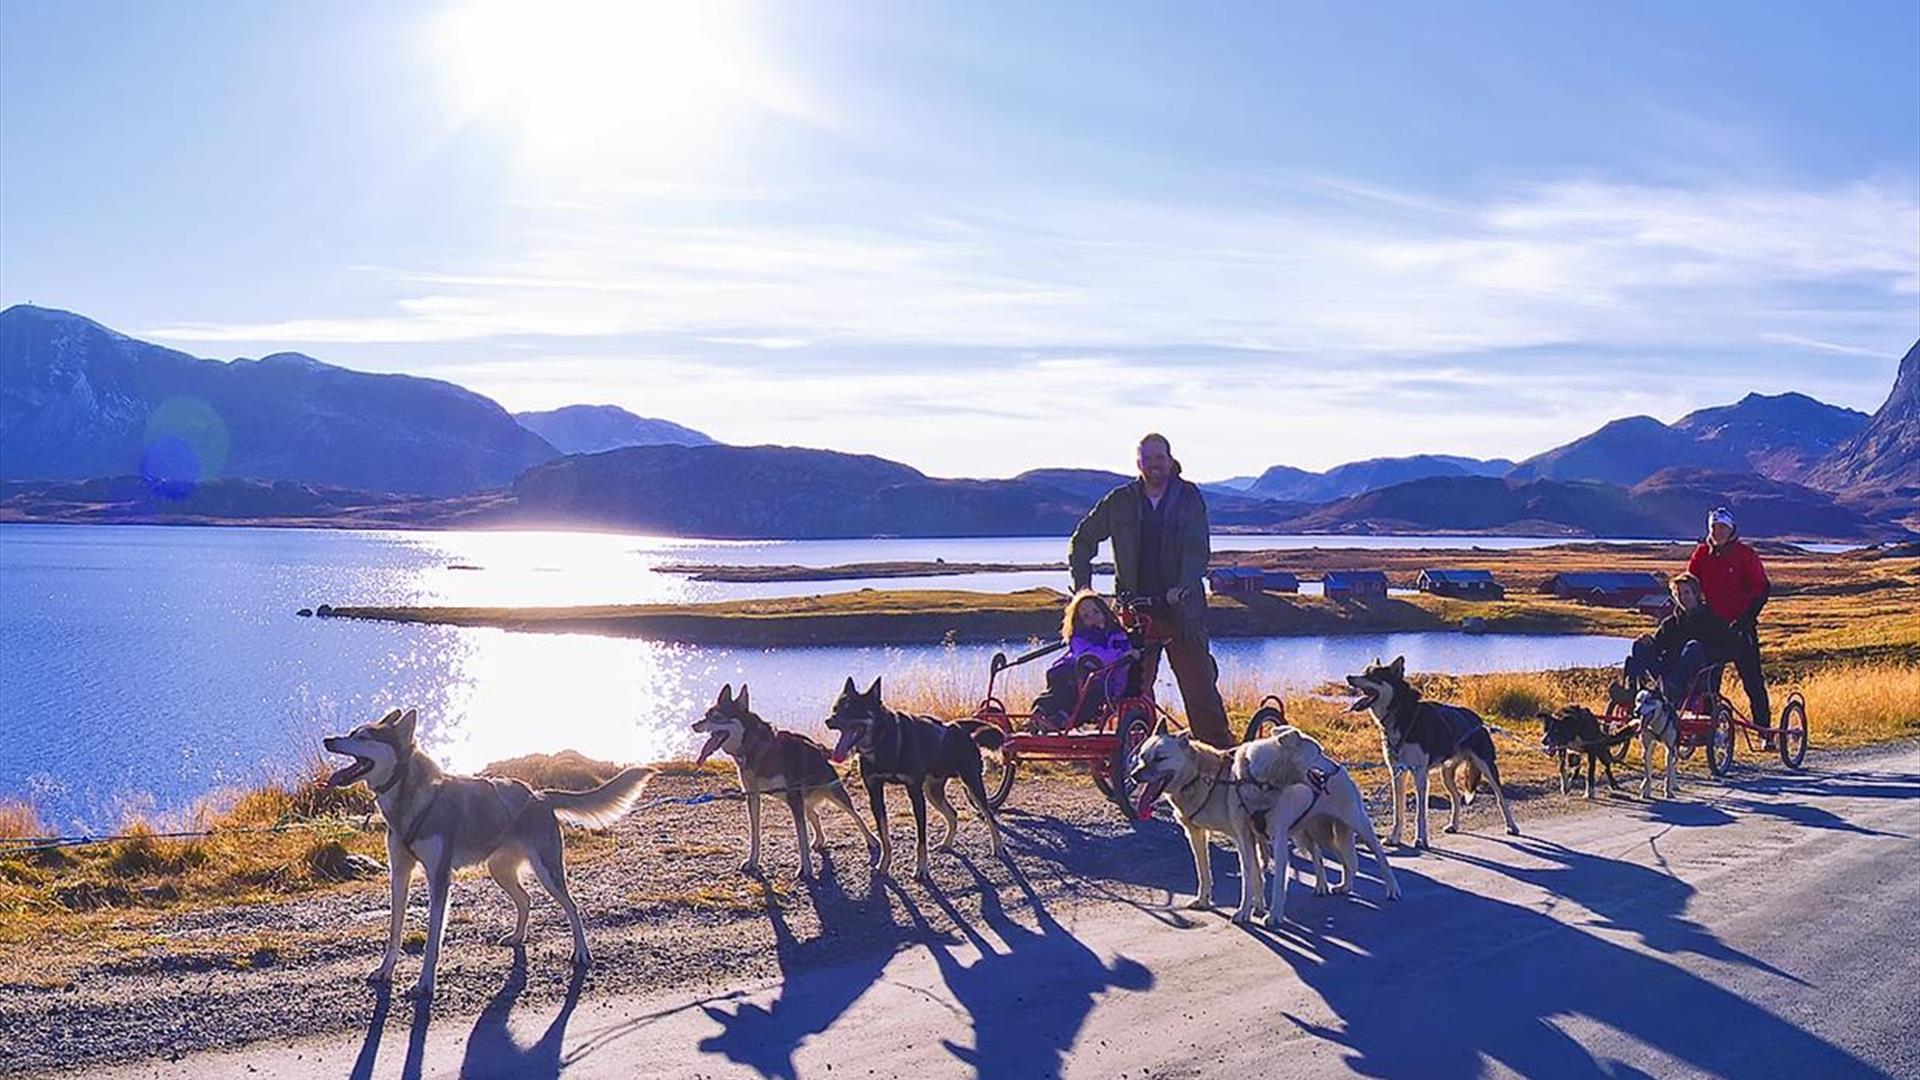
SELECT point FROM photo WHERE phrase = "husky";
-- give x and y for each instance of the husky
(1417, 736)
(1334, 816)
(442, 823)
(776, 762)
(1657, 725)
(1574, 733)
(1197, 779)
(923, 754)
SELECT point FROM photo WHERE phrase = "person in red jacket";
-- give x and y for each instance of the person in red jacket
(1736, 588)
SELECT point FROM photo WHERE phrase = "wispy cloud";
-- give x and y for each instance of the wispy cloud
(1574, 262)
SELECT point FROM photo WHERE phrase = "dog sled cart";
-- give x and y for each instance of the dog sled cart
(1105, 738)
(1706, 718)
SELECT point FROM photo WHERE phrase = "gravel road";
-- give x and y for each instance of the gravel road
(1752, 929)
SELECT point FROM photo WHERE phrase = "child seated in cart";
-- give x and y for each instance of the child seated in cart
(1095, 640)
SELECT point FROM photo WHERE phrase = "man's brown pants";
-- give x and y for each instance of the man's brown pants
(1198, 678)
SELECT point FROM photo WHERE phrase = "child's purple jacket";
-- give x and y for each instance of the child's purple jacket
(1106, 645)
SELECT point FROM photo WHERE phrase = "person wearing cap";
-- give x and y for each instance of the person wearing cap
(1735, 587)
(1158, 524)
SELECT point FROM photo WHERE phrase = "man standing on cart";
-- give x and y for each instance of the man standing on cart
(1158, 525)
(1735, 586)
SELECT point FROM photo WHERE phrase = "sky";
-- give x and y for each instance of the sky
(986, 237)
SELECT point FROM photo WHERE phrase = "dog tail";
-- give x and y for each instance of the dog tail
(605, 804)
(985, 735)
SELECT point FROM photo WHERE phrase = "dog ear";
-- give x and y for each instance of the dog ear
(742, 699)
(726, 696)
(405, 725)
(1399, 665)
(1159, 728)
(850, 688)
(874, 690)
(388, 720)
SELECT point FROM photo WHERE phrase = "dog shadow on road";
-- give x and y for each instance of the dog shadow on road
(1028, 995)
(494, 1054)
(1464, 979)
(1638, 899)
(1850, 784)
(820, 978)
(1148, 855)
(415, 1061)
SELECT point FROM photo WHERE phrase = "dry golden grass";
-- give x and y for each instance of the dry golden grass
(19, 820)
(1855, 704)
(568, 770)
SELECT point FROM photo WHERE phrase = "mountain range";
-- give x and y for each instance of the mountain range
(288, 437)
(78, 400)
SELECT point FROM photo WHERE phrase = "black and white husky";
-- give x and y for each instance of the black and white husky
(1417, 736)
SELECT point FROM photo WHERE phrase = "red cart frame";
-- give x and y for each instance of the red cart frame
(1706, 718)
(1104, 742)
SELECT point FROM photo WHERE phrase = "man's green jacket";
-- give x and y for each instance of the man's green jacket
(1184, 545)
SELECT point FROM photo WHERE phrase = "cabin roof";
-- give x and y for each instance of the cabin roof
(1460, 577)
(1608, 580)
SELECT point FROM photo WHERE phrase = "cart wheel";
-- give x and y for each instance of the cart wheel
(996, 774)
(1133, 729)
(1266, 720)
(1720, 740)
(1619, 718)
(1792, 737)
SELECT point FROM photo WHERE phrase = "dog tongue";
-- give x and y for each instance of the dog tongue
(713, 743)
(848, 736)
(1149, 794)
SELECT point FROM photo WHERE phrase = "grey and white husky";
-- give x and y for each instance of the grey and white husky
(442, 823)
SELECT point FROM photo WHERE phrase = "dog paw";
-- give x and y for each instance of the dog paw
(1343, 889)
(510, 941)
(581, 958)
(945, 849)
(421, 991)
(1451, 828)
(1275, 920)
(381, 974)
(1242, 918)
(1513, 830)
(923, 876)
(1197, 904)
(749, 867)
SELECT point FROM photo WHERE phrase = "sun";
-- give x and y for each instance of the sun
(603, 80)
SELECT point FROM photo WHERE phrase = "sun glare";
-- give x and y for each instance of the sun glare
(603, 80)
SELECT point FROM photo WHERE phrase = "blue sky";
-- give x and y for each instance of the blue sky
(984, 237)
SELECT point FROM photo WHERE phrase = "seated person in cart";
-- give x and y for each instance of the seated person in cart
(1687, 641)
(1095, 642)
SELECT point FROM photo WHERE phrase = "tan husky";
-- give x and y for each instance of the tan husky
(442, 823)
(1197, 779)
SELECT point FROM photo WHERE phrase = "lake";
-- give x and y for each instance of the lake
(142, 667)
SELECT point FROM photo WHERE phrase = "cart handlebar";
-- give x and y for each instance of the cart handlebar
(1001, 663)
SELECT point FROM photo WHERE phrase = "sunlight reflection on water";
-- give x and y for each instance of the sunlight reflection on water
(150, 665)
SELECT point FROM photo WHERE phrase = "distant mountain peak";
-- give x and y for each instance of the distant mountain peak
(593, 429)
(1885, 454)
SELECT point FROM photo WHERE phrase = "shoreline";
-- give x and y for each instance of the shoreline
(904, 617)
(1864, 604)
